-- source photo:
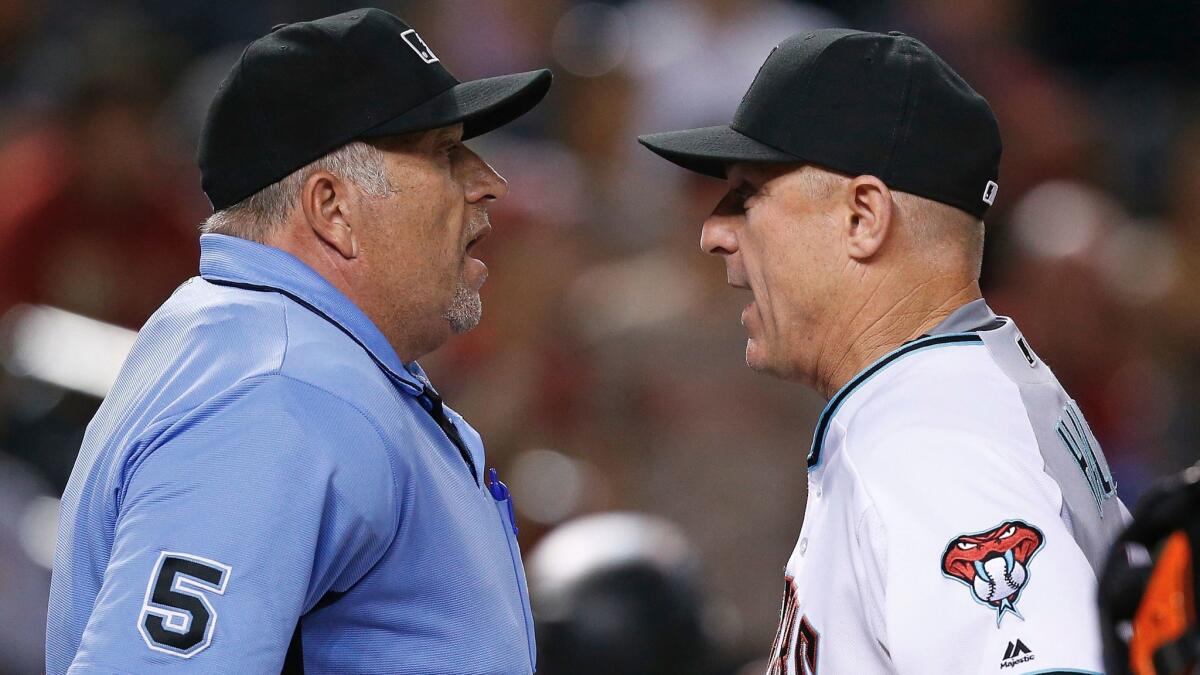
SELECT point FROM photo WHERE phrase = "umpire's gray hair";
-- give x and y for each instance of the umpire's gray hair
(257, 216)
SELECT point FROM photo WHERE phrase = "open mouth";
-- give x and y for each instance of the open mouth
(483, 232)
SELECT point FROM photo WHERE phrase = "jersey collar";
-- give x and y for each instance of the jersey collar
(232, 261)
(960, 328)
(970, 318)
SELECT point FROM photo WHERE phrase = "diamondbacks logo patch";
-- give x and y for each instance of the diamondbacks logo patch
(994, 563)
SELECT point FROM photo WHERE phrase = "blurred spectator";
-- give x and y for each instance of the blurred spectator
(17, 21)
(26, 548)
(94, 222)
(693, 59)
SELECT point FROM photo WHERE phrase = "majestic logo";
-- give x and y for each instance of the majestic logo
(994, 564)
(1016, 654)
(418, 45)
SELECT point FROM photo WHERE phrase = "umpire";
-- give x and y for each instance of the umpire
(273, 483)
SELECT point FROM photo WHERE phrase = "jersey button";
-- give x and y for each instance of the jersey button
(803, 546)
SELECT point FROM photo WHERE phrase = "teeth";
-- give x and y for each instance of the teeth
(981, 571)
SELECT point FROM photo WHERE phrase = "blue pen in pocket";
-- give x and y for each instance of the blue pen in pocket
(501, 494)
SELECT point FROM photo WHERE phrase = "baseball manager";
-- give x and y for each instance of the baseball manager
(959, 507)
(273, 483)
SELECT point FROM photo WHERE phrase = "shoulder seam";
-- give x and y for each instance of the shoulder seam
(859, 522)
(128, 473)
(393, 497)
(152, 431)
(382, 442)
(1027, 427)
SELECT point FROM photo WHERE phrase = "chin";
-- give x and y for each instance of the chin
(756, 358)
(463, 323)
(465, 310)
(457, 328)
(760, 361)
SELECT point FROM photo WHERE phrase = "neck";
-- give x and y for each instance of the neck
(342, 274)
(884, 322)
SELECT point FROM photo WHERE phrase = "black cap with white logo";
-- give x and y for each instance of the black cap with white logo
(858, 103)
(306, 89)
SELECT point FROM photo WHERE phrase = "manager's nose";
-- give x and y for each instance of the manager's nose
(717, 237)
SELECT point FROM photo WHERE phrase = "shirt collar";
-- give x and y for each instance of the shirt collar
(961, 327)
(973, 316)
(243, 263)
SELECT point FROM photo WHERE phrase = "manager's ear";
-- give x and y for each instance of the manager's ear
(869, 216)
(327, 203)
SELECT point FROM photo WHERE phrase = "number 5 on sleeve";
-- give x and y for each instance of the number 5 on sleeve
(177, 617)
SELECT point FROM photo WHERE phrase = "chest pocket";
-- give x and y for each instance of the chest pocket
(504, 508)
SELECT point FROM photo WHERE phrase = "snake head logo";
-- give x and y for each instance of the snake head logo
(994, 564)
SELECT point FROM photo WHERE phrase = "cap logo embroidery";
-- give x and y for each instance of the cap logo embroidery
(989, 192)
(418, 45)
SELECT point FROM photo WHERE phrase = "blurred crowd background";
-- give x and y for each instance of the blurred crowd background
(607, 374)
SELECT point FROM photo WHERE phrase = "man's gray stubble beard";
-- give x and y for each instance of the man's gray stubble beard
(465, 310)
(466, 307)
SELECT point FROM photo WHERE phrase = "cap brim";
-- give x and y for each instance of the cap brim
(710, 150)
(481, 105)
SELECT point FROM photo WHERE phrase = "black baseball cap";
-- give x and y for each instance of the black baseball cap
(857, 103)
(306, 89)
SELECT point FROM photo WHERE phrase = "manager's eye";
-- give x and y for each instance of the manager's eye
(1012, 529)
(966, 545)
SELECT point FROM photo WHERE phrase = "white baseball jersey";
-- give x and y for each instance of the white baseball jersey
(959, 510)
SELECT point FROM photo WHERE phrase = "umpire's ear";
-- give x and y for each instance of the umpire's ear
(868, 216)
(326, 201)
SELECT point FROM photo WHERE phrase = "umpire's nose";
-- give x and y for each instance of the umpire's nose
(482, 183)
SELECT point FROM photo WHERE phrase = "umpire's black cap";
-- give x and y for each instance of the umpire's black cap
(858, 103)
(305, 89)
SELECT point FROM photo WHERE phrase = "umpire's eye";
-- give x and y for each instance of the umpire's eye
(966, 545)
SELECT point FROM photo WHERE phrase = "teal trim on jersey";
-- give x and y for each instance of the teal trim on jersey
(912, 347)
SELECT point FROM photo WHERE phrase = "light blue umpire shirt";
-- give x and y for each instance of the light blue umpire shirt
(267, 486)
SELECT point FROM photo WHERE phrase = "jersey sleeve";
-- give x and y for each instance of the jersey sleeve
(978, 572)
(232, 523)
